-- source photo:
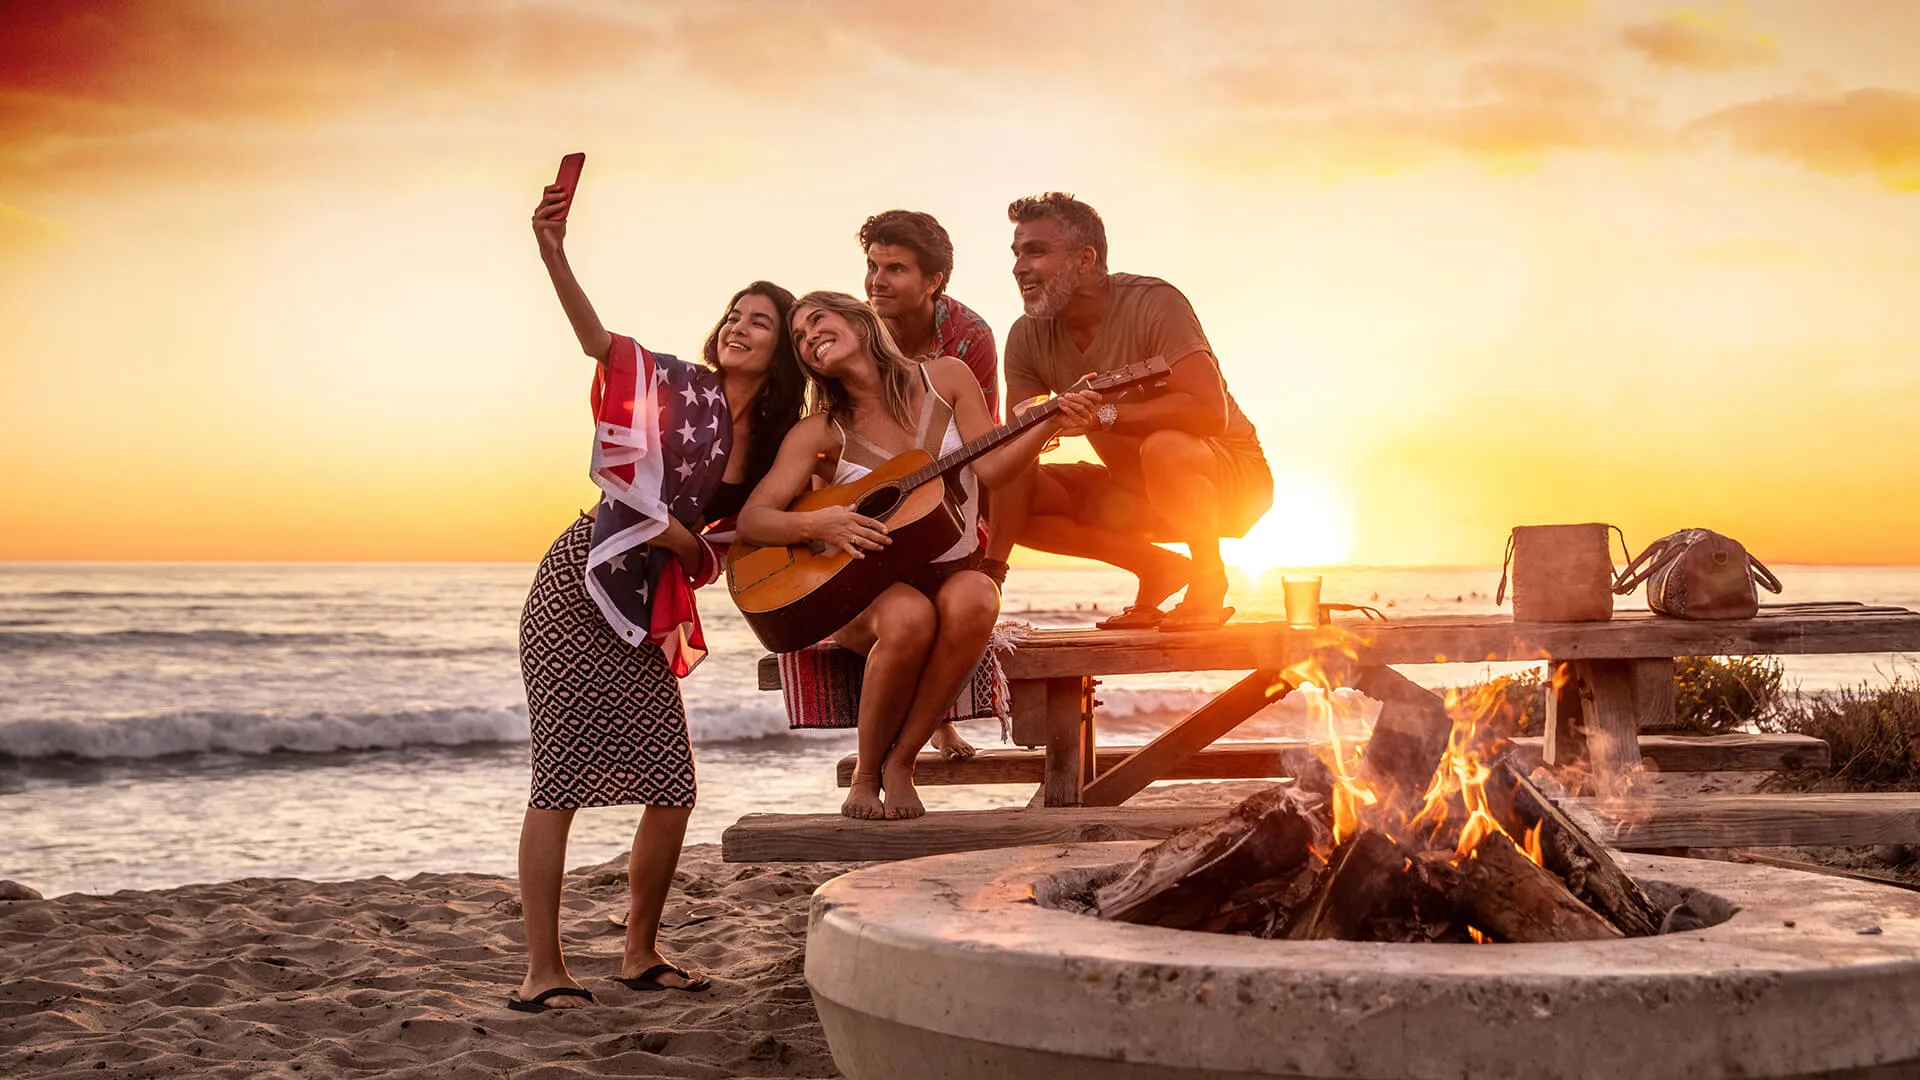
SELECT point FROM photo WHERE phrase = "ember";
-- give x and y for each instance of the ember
(1424, 832)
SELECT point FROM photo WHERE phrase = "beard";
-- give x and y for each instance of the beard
(1054, 294)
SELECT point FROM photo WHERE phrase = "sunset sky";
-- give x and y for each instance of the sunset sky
(268, 290)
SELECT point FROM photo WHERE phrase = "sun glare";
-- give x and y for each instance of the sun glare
(1310, 525)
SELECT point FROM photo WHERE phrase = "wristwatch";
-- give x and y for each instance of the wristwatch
(1109, 414)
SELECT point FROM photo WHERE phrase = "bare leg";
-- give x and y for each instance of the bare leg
(895, 632)
(1007, 512)
(1050, 525)
(1181, 478)
(967, 605)
(543, 859)
(656, 852)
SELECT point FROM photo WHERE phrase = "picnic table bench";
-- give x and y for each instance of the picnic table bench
(1621, 679)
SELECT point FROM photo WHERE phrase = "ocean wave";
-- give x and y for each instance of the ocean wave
(18, 641)
(162, 735)
(183, 596)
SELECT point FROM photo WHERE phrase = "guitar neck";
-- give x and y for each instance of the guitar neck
(946, 463)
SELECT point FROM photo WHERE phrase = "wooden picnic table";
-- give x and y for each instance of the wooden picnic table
(1618, 678)
(1626, 666)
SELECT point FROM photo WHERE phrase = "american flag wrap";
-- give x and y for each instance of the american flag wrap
(661, 439)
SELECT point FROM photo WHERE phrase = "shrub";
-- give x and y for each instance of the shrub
(1873, 732)
(1506, 706)
(1714, 695)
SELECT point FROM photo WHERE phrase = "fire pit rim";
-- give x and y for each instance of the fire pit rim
(959, 926)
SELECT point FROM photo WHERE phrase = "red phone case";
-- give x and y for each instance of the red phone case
(569, 179)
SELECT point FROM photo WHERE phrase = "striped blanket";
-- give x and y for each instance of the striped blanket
(821, 685)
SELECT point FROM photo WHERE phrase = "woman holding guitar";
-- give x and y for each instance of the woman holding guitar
(923, 635)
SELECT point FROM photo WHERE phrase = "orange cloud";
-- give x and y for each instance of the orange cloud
(75, 74)
(1701, 40)
(1860, 131)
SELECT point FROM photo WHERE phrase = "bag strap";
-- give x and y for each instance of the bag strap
(1659, 555)
(1625, 555)
(1500, 594)
(1762, 575)
(1372, 613)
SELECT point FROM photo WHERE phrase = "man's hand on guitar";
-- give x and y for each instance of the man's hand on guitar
(840, 528)
(1077, 414)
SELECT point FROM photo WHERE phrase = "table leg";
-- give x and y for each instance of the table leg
(1653, 692)
(1069, 718)
(1029, 705)
(1613, 726)
(1566, 742)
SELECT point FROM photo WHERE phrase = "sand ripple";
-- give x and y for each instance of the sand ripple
(403, 979)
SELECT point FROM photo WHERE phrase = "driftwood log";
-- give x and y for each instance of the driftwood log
(1192, 874)
(1506, 896)
(1589, 872)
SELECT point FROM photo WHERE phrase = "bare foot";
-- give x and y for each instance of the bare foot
(951, 744)
(863, 799)
(902, 800)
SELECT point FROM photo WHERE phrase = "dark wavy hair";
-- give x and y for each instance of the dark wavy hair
(777, 406)
(919, 233)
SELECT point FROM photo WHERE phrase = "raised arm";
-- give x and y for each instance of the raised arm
(766, 521)
(551, 233)
(1005, 463)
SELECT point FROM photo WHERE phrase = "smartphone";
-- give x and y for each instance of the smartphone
(569, 179)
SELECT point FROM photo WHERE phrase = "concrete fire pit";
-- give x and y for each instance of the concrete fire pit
(957, 967)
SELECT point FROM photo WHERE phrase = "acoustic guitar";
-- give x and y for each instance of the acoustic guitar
(795, 595)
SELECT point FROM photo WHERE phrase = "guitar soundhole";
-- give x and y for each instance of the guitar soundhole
(879, 502)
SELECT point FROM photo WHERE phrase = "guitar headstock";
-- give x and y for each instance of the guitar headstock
(1152, 370)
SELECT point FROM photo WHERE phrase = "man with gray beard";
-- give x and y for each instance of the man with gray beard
(1178, 464)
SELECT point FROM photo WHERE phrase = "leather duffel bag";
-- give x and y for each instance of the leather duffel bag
(1698, 574)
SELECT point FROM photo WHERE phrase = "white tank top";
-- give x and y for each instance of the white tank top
(859, 457)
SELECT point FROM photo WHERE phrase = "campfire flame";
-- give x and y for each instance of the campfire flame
(1454, 807)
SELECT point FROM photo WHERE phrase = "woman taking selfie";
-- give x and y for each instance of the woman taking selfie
(609, 625)
(922, 636)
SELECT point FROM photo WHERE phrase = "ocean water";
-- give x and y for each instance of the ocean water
(162, 724)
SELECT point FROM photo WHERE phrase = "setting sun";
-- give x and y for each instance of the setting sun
(1311, 524)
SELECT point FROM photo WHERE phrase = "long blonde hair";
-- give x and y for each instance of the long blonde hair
(896, 369)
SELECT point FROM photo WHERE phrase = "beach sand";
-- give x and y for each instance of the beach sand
(283, 977)
(404, 979)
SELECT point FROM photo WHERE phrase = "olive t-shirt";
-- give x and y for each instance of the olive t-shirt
(1146, 317)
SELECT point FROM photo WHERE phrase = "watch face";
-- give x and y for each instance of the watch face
(1107, 413)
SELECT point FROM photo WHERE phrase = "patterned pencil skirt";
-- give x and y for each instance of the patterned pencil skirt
(609, 728)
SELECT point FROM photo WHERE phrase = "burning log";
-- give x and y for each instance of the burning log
(1263, 908)
(1408, 740)
(1192, 874)
(1567, 850)
(1358, 884)
(1510, 898)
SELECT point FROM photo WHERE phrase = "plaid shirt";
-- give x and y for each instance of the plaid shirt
(965, 336)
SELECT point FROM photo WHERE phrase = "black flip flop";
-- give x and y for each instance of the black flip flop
(1133, 617)
(538, 1002)
(1184, 618)
(650, 979)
